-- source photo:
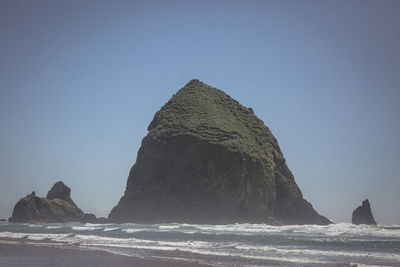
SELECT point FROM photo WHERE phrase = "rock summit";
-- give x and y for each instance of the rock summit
(61, 191)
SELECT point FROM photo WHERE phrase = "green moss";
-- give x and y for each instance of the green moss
(214, 117)
(208, 113)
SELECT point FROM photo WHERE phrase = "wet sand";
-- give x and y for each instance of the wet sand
(31, 255)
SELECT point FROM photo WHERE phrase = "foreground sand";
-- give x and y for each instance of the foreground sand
(30, 255)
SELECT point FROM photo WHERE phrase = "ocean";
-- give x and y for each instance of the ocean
(224, 245)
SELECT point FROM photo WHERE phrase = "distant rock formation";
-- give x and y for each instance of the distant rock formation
(57, 207)
(208, 159)
(363, 214)
(90, 218)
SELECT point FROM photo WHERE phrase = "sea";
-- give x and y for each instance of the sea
(340, 244)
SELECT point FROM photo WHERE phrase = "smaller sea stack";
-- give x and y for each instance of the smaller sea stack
(56, 207)
(363, 214)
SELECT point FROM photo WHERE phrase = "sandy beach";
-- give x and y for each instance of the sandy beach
(19, 254)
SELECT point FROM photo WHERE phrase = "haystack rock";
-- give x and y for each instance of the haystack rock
(57, 207)
(208, 159)
(363, 214)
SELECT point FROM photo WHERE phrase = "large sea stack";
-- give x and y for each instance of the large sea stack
(208, 159)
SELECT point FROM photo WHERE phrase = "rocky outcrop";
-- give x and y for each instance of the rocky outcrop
(60, 191)
(208, 159)
(90, 218)
(57, 207)
(33, 209)
(363, 214)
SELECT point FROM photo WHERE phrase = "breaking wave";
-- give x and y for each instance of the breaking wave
(258, 243)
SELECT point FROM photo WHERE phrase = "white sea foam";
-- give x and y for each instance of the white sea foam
(94, 224)
(209, 252)
(333, 230)
(107, 229)
(198, 247)
(13, 235)
(211, 248)
(295, 246)
(168, 227)
(327, 253)
(54, 227)
(133, 230)
(36, 236)
(363, 265)
(85, 228)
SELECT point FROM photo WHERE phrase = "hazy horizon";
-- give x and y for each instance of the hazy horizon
(80, 81)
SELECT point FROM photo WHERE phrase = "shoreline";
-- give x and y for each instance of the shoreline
(198, 245)
(21, 253)
(47, 254)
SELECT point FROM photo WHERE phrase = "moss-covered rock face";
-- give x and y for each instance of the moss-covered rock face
(209, 159)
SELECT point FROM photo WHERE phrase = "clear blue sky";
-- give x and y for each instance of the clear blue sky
(81, 80)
